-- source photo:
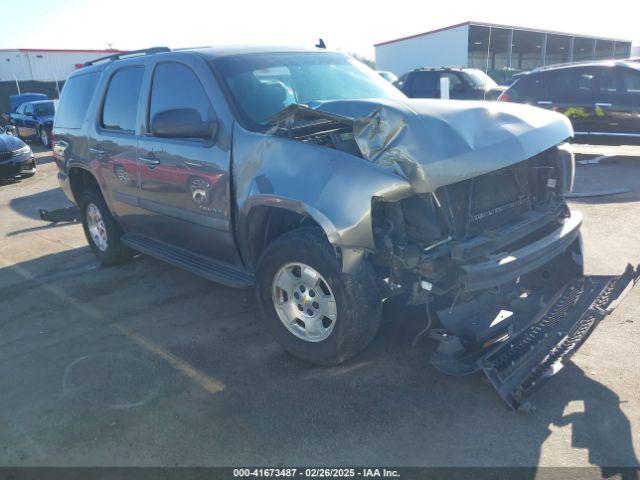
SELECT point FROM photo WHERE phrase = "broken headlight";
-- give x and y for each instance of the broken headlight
(566, 165)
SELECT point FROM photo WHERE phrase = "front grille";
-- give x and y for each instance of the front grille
(5, 155)
(495, 199)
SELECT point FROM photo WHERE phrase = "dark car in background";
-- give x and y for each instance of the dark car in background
(33, 120)
(602, 99)
(16, 158)
(464, 84)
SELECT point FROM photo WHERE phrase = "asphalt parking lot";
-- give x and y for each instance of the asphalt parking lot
(145, 364)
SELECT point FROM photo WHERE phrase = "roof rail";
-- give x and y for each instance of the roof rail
(117, 56)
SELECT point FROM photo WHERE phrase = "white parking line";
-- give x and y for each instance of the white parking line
(206, 382)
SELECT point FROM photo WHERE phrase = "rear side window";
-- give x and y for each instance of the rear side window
(424, 84)
(176, 86)
(75, 99)
(631, 82)
(608, 81)
(121, 102)
(631, 86)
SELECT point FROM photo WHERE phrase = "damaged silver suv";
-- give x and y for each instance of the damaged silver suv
(307, 174)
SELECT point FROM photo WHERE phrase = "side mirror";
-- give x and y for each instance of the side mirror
(183, 123)
(29, 114)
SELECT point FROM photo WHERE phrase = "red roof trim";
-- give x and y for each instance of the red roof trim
(58, 50)
(423, 33)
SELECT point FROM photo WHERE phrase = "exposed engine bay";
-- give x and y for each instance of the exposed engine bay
(495, 257)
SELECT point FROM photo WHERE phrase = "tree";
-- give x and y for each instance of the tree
(365, 60)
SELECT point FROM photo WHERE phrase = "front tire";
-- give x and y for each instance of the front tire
(103, 233)
(312, 309)
(44, 137)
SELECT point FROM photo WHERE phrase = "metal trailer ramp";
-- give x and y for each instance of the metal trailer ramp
(522, 364)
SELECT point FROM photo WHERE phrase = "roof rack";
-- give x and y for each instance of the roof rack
(442, 67)
(117, 56)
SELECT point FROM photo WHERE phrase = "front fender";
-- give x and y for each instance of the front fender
(332, 187)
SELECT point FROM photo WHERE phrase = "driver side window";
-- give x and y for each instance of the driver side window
(176, 86)
(455, 84)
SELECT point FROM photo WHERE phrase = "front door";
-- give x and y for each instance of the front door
(18, 120)
(184, 182)
(28, 126)
(571, 92)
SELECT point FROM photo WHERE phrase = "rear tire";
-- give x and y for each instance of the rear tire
(103, 233)
(356, 299)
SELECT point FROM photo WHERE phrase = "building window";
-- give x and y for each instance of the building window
(583, 48)
(558, 49)
(527, 49)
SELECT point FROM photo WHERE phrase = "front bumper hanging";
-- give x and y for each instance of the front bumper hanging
(522, 364)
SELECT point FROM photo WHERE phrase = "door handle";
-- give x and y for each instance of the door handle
(545, 102)
(149, 161)
(603, 104)
(97, 151)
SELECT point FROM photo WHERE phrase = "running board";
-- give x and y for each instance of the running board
(210, 269)
(521, 365)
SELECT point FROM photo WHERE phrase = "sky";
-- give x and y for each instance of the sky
(348, 25)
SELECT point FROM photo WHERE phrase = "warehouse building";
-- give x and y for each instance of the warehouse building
(494, 47)
(39, 70)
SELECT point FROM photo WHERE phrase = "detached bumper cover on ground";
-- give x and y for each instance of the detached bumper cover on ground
(518, 367)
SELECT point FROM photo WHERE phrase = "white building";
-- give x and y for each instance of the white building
(43, 65)
(493, 47)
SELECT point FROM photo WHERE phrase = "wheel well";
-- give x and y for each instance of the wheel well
(79, 179)
(265, 224)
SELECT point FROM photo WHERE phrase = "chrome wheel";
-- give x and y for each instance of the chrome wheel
(304, 302)
(97, 228)
(44, 137)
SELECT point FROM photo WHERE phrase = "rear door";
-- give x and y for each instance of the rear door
(618, 102)
(113, 141)
(185, 187)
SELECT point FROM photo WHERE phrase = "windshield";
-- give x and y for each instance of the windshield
(42, 109)
(388, 76)
(263, 84)
(480, 79)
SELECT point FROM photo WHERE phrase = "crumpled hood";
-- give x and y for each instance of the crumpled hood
(9, 143)
(438, 142)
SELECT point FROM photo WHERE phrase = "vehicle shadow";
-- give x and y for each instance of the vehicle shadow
(30, 205)
(477, 424)
(598, 424)
(386, 406)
